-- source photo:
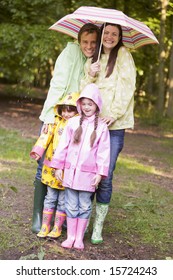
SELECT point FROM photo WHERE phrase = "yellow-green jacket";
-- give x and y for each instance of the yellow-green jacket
(68, 71)
(117, 90)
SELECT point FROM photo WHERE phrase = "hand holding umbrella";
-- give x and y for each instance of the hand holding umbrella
(94, 68)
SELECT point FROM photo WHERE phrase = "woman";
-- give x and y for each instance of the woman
(115, 75)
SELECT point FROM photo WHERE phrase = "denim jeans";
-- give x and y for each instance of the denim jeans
(40, 162)
(104, 191)
(77, 203)
(55, 199)
(39, 167)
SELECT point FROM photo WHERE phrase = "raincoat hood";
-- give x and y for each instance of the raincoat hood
(92, 92)
(68, 99)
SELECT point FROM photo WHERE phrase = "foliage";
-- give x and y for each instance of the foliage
(29, 50)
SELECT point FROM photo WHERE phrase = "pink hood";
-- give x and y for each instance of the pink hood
(92, 92)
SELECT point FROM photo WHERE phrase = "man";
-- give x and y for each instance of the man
(68, 72)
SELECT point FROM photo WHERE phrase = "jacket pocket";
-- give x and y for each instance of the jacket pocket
(88, 168)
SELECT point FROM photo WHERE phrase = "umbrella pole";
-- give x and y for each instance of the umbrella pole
(101, 43)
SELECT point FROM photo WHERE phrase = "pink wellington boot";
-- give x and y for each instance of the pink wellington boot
(71, 232)
(59, 220)
(81, 227)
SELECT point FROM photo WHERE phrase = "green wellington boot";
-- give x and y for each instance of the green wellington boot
(40, 192)
(101, 212)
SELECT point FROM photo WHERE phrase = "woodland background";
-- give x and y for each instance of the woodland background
(138, 225)
(28, 49)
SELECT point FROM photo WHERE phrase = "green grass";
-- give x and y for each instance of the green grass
(141, 211)
(13, 147)
(141, 208)
(16, 172)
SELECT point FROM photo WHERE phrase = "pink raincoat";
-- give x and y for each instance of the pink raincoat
(81, 162)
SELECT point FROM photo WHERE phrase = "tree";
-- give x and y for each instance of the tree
(170, 81)
(162, 56)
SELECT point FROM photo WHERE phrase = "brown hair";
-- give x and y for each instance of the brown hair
(69, 108)
(114, 52)
(78, 132)
(89, 28)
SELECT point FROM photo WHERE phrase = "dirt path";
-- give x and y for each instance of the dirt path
(23, 116)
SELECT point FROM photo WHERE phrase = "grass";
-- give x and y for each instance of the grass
(16, 173)
(140, 210)
(13, 147)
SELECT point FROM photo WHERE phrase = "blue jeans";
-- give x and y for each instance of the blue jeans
(39, 167)
(77, 203)
(55, 199)
(104, 191)
(40, 162)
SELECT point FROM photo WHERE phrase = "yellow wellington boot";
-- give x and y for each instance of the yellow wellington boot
(59, 220)
(47, 217)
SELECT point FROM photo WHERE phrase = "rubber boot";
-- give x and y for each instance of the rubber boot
(71, 232)
(59, 220)
(40, 192)
(47, 217)
(87, 227)
(101, 212)
(81, 227)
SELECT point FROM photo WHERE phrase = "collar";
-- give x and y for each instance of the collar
(90, 119)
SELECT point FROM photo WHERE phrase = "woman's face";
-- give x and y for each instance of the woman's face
(110, 38)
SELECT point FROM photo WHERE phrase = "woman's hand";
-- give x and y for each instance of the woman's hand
(94, 69)
(58, 174)
(96, 180)
(108, 120)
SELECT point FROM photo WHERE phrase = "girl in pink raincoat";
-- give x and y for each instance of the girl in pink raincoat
(83, 156)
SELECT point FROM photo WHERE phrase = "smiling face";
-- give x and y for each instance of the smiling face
(111, 38)
(88, 43)
(66, 114)
(88, 107)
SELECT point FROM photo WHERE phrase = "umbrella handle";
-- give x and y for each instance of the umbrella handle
(101, 43)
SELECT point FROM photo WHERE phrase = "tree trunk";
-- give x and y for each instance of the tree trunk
(161, 83)
(170, 83)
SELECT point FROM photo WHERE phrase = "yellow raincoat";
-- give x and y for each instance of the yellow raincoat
(50, 141)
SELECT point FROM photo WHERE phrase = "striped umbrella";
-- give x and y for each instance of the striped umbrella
(135, 33)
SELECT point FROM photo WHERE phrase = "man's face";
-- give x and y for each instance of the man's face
(88, 43)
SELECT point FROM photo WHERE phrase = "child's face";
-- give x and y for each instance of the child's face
(88, 107)
(67, 115)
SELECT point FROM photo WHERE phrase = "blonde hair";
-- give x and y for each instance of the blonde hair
(78, 132)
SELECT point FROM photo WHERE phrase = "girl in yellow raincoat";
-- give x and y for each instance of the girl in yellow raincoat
(54, 199)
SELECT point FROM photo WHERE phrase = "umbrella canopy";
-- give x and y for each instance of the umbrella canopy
(135, 33)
